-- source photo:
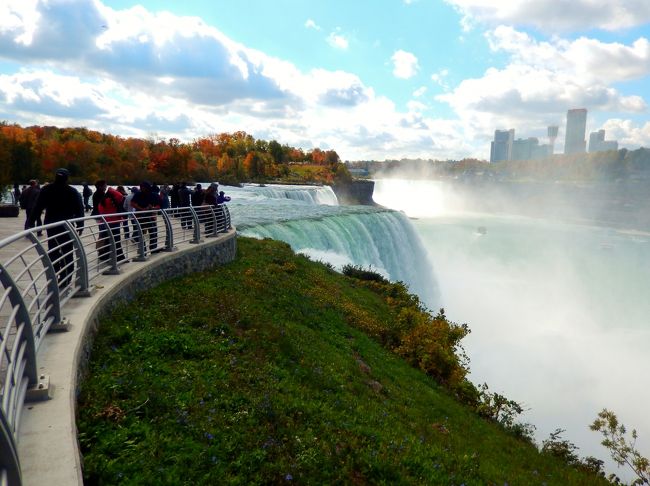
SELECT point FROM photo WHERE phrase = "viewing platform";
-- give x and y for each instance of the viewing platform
(50, 310)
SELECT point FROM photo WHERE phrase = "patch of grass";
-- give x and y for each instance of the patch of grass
(260, 372)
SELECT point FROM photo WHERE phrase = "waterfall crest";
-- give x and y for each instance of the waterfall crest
(307, 194)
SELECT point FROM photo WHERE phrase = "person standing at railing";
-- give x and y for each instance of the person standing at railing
(87, 194)
(130, 209)
(28, 200)
(144, 202)
(184, 200)
(110, 205)
(61, 202)
(222, 198)
(125, 208)
(210, 200)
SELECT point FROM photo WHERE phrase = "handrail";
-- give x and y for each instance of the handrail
(44, 272)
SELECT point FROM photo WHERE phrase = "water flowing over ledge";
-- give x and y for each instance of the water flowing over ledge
(383, 240)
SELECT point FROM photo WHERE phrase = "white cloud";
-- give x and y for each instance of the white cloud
(627, 132)
(133, 72)
(337, 40)
(555, 15)
(589, 59)
(420, 91)
(542, 80)
(405, 64)
(439, 78)
(310, 24)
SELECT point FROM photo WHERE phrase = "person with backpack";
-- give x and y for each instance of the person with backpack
(109, 203)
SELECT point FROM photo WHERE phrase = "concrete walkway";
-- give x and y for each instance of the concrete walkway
(47, 441)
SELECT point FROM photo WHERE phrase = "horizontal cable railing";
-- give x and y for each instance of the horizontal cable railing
(51, 264)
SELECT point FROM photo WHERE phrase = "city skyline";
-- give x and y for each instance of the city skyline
(506, 147)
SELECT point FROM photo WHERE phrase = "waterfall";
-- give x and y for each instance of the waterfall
(383, 240)
(307, 194)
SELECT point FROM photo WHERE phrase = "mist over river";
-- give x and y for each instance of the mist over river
(559, 312)
(558, 306)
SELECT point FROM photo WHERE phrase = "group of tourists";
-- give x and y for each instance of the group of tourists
(61, 202)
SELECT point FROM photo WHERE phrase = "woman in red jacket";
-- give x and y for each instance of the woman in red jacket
(110, 204)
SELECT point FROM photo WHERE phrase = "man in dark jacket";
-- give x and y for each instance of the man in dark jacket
(60, 201)
(197, 196)
(145, 202)
(87, 193)
(28, 200)
(184, 197)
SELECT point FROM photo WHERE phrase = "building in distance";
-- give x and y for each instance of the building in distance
(529, 149)
(576, 125)
(501, 147)
(597, 142)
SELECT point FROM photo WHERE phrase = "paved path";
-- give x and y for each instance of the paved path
(8, 227)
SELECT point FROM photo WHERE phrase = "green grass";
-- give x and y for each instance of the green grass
(252, 374)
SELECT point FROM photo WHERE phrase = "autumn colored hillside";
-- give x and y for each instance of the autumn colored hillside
(35, 152)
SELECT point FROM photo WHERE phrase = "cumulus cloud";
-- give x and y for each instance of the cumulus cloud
(590, 59)
(338, 40)
(133, 72)
(439, 78)
(541, 80)
(555, 15)
(311, 24)
(420, 91)
(405, 64)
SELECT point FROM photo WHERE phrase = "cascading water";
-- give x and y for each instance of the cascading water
(382, 240)
(378, 238)
(307, 194)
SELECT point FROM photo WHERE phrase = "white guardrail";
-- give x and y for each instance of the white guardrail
(49, 265)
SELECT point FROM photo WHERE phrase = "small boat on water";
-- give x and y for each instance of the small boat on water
(481, 230)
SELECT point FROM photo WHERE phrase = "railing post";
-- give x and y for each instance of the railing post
(54, 299)
(228, 221)
(22, 316)
(111, 238)
(83, 279)
(141, 255)
(9, 462)
(197, 226)
(169, 232)
(221, 218)
(213, 215)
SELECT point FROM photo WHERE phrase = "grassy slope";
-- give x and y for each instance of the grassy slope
(251, 374)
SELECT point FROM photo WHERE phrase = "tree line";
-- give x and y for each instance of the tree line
(35, 152)
(604, 166)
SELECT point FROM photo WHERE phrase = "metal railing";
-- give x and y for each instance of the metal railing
(51, 264)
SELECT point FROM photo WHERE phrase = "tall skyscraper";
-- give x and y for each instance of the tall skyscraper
(576, 125)
(552, 135)
(501, 147)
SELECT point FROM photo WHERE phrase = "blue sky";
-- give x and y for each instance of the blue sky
(372, 79)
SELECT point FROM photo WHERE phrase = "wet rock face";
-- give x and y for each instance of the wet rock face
(355, 192)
